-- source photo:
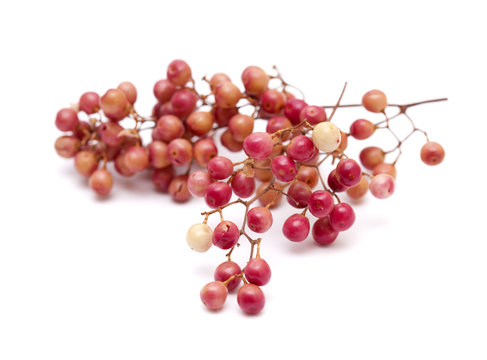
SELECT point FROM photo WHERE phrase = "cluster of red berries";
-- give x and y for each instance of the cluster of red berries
(286, 159)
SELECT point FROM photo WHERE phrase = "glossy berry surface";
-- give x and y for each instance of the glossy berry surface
(432, 153)
(323, 232)
(298, 195)
(258, 145)
(243, 185)
(296, 227)
(334, 183)
(101, 181)
(342, 217)
(198, 182)
(251, 299)
(283, 168)
(259, 219)
(178, 72)
(374, 101)
(257, 272)
(226, 270)
(320, 203)
(214, 295)
(293, 109)
(199, 237)
(272, 101)
(326, 137)
(348, 172)
(362, 129)
(220, 167)
(225, 235)
(218, 194)
(312, 114)
(66, 119)
(372, 156)
(301, 148)
(382, 186)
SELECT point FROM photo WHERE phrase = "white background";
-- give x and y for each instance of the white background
(84, 278)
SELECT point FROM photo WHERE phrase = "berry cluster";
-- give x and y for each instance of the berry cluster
(285, 160)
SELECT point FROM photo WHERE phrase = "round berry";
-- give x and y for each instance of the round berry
(179, 72)
(129, 90)
(228, 140)
(432, 153)
(293, 109)
(136, 159)
(323, 233)
(362, 129)
(342, 217)
(382, 186)
(109, 133)
(255, 80)
(372, 156)
(158, 154)
(243, 185)
(259, 219)
(272, 101)
(251, 299)
(66, 119)
(257, 272)
(320, 203)
(220, 167)
(101, 181)
(86, 162)
(301, 148)
(180, 152)
(348, 172)
(163, 90)
(326, 136)
(114, 104)
(226, 270)
(218, 194)
(283, 168)
(198, 182)
(226, 235)
(169, 127)
(358, 191)
(204, 150)
(334, 183)
(199, 237)
(308, 175)
(313, 114)
(374, 101)
(298, 195)
(258, 145)
(214, 295)
(217, 79)
(178, 189)
(227, 95)
(277, 123)
(296, 228)
(241, 126)
(200, 122)
(183, 102)
(67, 146)
(89, 102)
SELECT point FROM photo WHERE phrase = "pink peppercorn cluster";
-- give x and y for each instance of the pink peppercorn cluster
(285, 160)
